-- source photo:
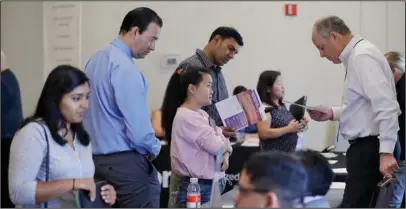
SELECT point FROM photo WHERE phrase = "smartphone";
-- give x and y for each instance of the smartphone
(83, 200)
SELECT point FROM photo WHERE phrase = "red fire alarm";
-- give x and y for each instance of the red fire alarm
(290, 9)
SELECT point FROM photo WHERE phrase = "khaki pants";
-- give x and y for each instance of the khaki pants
(174, 185)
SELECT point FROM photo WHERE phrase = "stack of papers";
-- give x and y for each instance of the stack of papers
(332, 161)
(337, 185)
(250, 141)
(340, 170)
(329, 155)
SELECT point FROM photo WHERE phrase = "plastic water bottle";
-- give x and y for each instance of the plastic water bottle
(193, 194)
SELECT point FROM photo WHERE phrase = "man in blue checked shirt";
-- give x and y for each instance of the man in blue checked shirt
(118, 122)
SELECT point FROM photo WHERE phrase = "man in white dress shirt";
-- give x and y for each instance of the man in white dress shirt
(369, 112)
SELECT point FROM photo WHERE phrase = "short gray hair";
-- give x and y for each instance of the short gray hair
(331, 23)
(3, 59)
(396, 60)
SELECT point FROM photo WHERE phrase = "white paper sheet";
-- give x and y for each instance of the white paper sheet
(229, 107)
(337, 185)
(332, 161)
(329, 155)
(340, 170)
(250, 144)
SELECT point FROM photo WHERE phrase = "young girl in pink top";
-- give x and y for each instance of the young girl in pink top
(194, 140)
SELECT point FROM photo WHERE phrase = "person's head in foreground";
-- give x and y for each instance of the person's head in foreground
(239, 89)
(331, 35)
(270, 88)
(224, 44)
(319, 172)
(271, 180)
(140, 30)
(397, 64)
(192, 86)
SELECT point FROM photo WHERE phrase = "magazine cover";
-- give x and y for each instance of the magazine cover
(241, 110)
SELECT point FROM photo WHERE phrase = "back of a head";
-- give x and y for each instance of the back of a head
(226, 33)
(280, 173)
(140, 17)
(239, 89)
(326, 25)
(396, 60)
(176, 94)
(319, 171)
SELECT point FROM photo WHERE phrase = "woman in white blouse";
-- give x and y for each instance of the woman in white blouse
(55, 133)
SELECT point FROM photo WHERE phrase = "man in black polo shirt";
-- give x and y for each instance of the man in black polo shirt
(397, 64)
(224, 44)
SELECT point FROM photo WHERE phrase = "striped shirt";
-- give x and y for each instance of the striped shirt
(220, 92)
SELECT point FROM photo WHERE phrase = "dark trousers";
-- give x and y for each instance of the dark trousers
(362, 161)
(5, 156)
(134, 178)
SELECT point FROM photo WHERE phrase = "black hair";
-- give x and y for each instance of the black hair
(280, 173)
(176, 94)
(140, 17)
(266, 80)
(226, 33)
(61, 81)
(319, 171)
(239, 89)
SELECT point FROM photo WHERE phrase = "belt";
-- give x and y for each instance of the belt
(203, 181)
(363, 139)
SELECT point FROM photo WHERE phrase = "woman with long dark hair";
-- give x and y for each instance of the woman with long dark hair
(279, 131)
(194, 138)
(51, 156)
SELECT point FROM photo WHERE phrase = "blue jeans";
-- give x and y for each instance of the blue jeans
(399, 190)
(205, 191)
(397, 151)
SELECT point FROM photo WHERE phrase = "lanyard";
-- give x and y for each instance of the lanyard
(346, 70)
(352, 49)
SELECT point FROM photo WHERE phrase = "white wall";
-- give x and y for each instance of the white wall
(21, 41)
(272, 41)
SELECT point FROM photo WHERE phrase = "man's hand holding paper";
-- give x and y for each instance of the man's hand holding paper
(320, 113)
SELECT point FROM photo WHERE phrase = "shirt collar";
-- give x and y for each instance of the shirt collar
(122, 46)
(347, 50)
(206, 61)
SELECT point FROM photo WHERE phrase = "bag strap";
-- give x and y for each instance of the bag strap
(46, 158)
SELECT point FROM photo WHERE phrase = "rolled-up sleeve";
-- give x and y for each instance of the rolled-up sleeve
(26, 156)
(130, 92)
(383, 99)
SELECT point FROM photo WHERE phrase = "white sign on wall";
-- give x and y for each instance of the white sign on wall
(62, 34)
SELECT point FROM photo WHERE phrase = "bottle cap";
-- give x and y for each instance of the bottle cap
(194, 180)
